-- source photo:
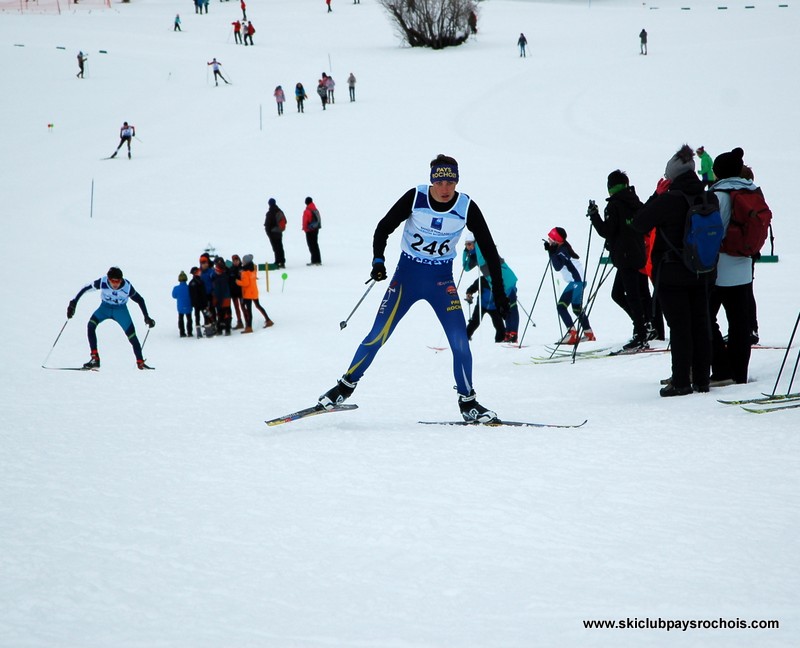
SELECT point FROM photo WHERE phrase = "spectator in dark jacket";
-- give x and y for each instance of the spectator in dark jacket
(627, 253)
(683, 294)
(207, 275)
(197, 293)
(274, 225)
(236, 291)
(221, 291)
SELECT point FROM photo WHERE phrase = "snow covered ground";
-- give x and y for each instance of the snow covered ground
(156, 509)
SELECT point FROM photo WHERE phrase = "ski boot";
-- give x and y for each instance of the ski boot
(94, 363)
(337, 394)
(636, 343)
(588, 336)
(472, 411)
(140, 364)
(570, 337)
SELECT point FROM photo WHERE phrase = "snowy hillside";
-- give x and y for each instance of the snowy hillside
(157, 509)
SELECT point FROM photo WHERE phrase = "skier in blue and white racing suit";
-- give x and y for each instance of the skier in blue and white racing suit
(115, 291)
(434, 217)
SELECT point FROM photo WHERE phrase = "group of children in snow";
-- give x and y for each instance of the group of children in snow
(215, 288)
(325, 90)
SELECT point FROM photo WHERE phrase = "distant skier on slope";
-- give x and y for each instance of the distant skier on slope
(126, 133)
(215, 65)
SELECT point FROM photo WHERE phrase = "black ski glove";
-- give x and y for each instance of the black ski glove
(592, 212)
(150, 322)
(378, 272)
(549, 247)
(71, 309)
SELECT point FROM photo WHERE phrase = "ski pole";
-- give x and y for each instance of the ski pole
(786, 355)
(145, 338)
(343, 323)
(794, 373)
(535, 299)
(588, 297)
(458, 283)
(58, 337)
(558, 317)
(578, 324)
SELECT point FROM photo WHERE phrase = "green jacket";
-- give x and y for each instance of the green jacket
(706, 164)
(476, 260)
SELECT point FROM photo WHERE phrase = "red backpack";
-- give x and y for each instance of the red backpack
(749, 225)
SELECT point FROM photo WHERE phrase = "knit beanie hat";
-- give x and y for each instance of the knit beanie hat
(182, 276)
(617, 181)
(558, 234)
(271, 201)
(680, 163)
(247, 258)
(729, 165)
(114, 273)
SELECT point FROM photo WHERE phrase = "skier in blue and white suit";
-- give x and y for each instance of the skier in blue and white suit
(115, 291)
(565, 259)
(434, 217)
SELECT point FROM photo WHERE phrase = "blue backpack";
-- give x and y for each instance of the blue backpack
(702, 235)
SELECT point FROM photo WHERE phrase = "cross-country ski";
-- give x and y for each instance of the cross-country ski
(504, 423)
(315, 410)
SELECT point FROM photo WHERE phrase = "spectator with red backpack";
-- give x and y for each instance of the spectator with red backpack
(311, 226)
(248, 30)
(746, 218)
(274, 226)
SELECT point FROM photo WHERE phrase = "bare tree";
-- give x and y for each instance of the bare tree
(432, 23)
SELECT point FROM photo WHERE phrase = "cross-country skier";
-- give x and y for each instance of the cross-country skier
(433, 218)
(115, 291)
(473, 258)
(565, 259)
(126, 133)
(81, 62)
(215, 65)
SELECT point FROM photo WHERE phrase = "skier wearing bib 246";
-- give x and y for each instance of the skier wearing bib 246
(433, 217)
(114, 295)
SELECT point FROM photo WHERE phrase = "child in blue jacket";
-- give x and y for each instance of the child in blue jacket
(181, 294)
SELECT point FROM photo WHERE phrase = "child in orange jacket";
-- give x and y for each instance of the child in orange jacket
(249, 283)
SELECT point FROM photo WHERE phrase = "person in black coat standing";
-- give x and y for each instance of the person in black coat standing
(627, 252)
(197, 293)
(274, 226)
(683, 294)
